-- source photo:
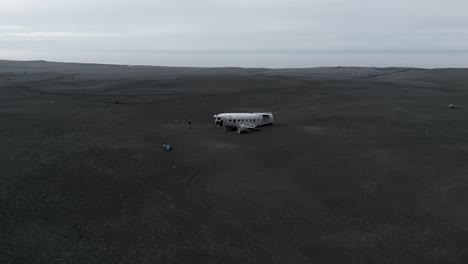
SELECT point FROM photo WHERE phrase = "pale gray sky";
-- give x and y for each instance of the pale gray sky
(236, 24)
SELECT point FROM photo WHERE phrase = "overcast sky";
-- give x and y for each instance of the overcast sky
(234, 25)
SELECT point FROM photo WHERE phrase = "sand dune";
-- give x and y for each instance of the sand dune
(363, 165)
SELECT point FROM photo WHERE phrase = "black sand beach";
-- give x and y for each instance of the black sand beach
(363, 165)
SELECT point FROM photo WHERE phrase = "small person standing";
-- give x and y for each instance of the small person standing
(190, 124)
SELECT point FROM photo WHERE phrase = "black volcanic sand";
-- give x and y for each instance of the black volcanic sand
(363, 165)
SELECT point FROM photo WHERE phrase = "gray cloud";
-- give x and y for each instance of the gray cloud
(51, 34)
(240, 24)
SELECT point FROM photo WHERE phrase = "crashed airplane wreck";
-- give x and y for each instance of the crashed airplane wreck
(242, 122)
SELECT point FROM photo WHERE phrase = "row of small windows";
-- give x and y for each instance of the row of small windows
(248, 120)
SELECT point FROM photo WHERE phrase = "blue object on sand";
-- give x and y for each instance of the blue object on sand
(167, 147)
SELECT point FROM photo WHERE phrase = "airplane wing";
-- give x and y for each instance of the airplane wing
(245, 127)
(248, 126)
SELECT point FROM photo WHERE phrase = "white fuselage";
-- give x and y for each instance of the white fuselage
(243, 120)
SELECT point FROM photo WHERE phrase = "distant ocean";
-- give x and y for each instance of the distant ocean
(269, 59)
